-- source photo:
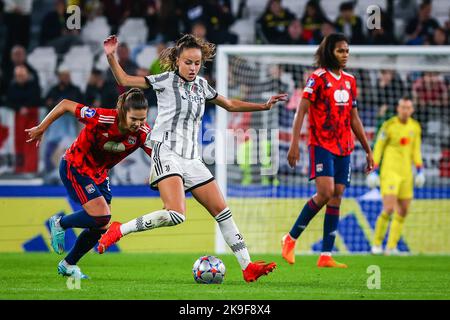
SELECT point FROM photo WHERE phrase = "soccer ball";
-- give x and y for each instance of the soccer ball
(208, 270)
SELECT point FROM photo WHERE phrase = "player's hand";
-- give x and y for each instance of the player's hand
(110, 45)
(373, 180)
(419, 180)
(370, 163)
(293, 155)
(274, 99)
(35, 134)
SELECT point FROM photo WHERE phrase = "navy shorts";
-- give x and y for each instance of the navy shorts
(323, 163)
(81, 188)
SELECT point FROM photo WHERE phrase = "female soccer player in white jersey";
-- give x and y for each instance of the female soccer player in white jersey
(177, 166)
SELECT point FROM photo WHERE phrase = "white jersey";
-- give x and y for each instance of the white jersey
(181, 105)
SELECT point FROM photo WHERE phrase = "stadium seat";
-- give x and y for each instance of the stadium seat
(146, 56)
(133, 32)
(79, 60)
(94, 32)
(44, 59)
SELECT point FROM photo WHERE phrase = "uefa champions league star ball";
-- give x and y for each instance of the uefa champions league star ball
(208, 270)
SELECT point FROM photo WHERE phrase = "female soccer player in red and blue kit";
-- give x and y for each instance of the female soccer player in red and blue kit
(108, 137)
(330, 98)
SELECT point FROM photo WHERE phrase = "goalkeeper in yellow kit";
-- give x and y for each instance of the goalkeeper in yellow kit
(397, 148)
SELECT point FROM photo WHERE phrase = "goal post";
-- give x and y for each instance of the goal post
(266, 196)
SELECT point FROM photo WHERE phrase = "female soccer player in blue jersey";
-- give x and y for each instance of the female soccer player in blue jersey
(177, 166)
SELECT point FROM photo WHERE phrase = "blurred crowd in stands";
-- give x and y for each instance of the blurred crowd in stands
(26, 25)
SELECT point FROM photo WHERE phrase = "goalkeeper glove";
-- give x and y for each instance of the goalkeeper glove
(419, 181)
(373, 179)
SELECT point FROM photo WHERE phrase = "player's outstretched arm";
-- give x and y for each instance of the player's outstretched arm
(294, 151)
(235, 105)
(358, 129)
(110, 46)
(36, 133)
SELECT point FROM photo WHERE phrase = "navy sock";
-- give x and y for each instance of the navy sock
(81, 219)
(309, 211)
(330, 225)
(85, 242)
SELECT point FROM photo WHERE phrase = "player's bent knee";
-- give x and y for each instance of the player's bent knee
(326, 195)
(102, 221)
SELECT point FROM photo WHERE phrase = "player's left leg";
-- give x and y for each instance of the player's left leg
(342, 177)
(86, 241)
(210, 196)
(330, 226)
(405, 194)
(397, 225)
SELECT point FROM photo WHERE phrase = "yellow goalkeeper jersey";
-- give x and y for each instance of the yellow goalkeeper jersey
(398, 147)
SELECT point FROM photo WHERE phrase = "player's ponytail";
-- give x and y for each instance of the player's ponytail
(324, 56)
(132, 99)
(168, 58)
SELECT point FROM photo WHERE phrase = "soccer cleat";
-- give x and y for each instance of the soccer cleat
(288, 248)
(377, 250)
(68, 270)
(57, 234)
(392, 252)
(257, 269)
(328, 262)
(111, 236)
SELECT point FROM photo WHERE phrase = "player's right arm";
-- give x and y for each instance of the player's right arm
(122, 78)
(36, 133)
(294, 150)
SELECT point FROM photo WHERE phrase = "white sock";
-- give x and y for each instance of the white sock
(156, 219)
(232, 237)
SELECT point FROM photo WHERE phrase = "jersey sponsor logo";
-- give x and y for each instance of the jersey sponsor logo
(319, 167)
(105, 134)
(112, 146)
(90, 188)
(308, 90)
(87, 112)
(132, 140)
(193, 98)
(341, 96)
(310, 82)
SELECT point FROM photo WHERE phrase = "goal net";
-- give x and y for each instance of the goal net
(266, 195)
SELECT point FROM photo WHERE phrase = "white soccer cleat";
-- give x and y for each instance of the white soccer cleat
(392, 252)
(68, 270)
(377, 250)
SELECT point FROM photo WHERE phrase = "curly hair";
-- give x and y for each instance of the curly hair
(324, 56)
(168, 58)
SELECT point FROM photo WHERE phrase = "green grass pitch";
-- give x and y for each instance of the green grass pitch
(168, 277)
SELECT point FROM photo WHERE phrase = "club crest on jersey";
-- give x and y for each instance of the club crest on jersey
(347, 84)
(319, 167)
(87, 112)
(90, 188)
(132, 140)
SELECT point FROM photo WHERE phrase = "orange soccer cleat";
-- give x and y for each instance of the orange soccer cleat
(328, 262)
(257, 269)
(288, 248)
(111, 236)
